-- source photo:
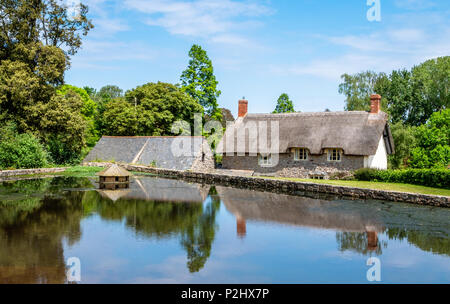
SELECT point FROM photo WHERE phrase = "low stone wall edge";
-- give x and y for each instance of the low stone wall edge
(291, 187)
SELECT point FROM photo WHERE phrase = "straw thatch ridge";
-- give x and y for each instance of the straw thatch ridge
(356, 132)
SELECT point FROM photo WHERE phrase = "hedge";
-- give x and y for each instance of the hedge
(437, 178)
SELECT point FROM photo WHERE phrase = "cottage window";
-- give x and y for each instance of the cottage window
(334, 155)
(265, 159)
(300, 154)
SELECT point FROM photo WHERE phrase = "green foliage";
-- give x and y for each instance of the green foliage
(199, 82)
(284, 104)
(20, 150)
(413, 96)
(89, 112)
(62, 127)
(120, 118)
(358, 88)
(36, 40)
(439, 178)
(433, 142)
(405, 141)
(149, 110)
(89, 106)
(109, 92)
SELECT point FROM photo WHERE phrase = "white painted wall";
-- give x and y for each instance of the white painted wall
(379, 160)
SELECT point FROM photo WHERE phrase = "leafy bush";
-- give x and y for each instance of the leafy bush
(22, 151)
(439, 178)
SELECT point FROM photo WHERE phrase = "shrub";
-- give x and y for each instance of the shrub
(22, 151)
(439, 178)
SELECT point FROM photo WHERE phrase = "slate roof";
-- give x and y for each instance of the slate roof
(161, 190)
(149, 150)
(356, 132)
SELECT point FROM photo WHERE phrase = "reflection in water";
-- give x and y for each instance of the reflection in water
(357, 223)
(194, 223)
(32, 230)
(38, 217)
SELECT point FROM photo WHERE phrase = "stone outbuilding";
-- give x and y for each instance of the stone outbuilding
(168, 152)
(307, 145)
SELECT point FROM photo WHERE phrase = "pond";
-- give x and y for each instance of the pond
(170, 231)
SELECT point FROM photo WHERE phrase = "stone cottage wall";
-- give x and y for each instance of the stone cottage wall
(288, 167)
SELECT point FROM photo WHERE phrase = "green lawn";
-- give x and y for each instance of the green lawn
(375, 185)
(80, 171)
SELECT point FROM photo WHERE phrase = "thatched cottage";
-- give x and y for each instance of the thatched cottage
(168, 152)
(307, 145)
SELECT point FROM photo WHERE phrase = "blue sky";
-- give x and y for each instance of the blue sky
(259, 49)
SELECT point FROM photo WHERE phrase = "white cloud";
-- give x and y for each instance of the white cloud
(199, 18)
(381, 51)
(414, 4)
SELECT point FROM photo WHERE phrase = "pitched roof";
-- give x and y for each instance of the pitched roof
(147, 150)
(114, 170)
(356, 132)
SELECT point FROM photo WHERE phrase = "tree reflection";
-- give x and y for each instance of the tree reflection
(361, 242)
(194, 223)
(437, 243)
(197, 239)
(32, 231)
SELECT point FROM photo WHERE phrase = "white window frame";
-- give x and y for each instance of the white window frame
(301, 152)
(265, 160)
(334, 155)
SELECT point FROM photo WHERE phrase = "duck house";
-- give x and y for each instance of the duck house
(114, 177)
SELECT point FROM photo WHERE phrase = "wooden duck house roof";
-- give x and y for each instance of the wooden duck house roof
(114, 170)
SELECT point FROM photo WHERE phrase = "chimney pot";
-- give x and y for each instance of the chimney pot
(375, 103)
(243, 108)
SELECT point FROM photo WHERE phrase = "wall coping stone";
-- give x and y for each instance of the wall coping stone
(7, 173)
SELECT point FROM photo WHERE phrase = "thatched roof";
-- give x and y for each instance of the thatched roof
(149, 150)
(356, 132)
(114, 170)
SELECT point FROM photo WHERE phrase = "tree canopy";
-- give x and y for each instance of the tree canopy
(199, 82)
(284, 104)
(413, 96)
(357, 89)
(149, 110)
(37, 38)
(433, 146)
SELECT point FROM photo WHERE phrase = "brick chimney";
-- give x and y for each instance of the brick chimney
(243, 108)
(375, 103)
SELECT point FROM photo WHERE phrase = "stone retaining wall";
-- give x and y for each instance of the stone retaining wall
(7, 173)
(291, 187)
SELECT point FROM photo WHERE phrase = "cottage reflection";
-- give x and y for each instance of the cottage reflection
(249, 205)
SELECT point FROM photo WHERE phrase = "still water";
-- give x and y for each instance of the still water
(169, 231)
